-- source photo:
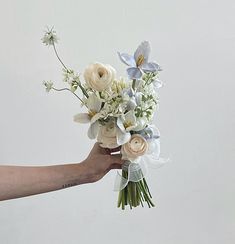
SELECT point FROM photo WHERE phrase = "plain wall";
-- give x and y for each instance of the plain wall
(194, 41)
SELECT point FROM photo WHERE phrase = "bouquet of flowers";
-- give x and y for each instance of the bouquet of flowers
(120, 113)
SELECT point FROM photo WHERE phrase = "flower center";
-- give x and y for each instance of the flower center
(92, 113)
(140, 60)
(127, 124)
(100, 73)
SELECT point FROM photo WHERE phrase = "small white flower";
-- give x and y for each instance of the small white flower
(50, 37)
(127, 122)
(48, 85)
(94, 105)
(70, 76)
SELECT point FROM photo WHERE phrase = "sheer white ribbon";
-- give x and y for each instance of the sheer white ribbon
(137, 170)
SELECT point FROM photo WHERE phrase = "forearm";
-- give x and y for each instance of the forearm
(21, 181)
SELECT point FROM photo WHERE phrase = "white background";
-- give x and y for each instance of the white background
(194, 41)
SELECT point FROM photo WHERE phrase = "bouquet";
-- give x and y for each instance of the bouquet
(119, 112)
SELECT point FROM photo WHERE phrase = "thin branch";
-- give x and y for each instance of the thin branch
(57, 55)
(66, 89)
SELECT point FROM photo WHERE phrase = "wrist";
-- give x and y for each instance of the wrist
(87, 174)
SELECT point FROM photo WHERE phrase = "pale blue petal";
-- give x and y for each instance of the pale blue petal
(138, 98)
(149, 67)
(143, 49)
(130, 92)
(131, 104)
(156, 66)
(127, 59)
(134, 73)
(147, 133)
(120, 124)
(93, 130)
(123, 137)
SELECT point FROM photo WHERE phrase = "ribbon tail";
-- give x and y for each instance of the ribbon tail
(120, 182)
(154, 162)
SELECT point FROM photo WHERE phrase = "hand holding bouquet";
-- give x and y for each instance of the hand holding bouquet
(120, 113)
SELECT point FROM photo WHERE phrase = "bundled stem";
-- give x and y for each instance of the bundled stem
(134, 194)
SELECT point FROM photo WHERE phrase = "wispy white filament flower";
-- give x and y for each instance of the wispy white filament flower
(50, 37)
(48, 85)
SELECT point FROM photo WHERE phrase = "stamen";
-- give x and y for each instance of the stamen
(140, 60)
(92, 113)
(127, 124)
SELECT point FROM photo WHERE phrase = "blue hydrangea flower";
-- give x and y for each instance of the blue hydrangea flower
(139, 62)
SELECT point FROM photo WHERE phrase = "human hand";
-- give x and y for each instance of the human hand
(100, 161)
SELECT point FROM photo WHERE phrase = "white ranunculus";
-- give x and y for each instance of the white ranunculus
(99, 76)
(107, 135)
(136, 147)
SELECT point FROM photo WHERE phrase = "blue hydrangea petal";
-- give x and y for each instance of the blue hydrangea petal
(134, 73)
(127, 59)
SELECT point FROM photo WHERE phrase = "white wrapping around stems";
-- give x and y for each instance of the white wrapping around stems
(137, 170)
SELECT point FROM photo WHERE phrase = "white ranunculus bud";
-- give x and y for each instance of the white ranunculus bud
(99, 76)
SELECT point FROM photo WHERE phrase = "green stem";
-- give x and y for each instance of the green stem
(119, 198)
(57, 55)
(139, 195)
(133, 84)
(146, 186)
(83, 90)
(145, 194)
(129, 195)
(123, 200)
(133, 194)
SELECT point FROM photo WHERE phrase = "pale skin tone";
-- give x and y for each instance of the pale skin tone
(22, 181)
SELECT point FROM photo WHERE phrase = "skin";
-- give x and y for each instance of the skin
(22, 181)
